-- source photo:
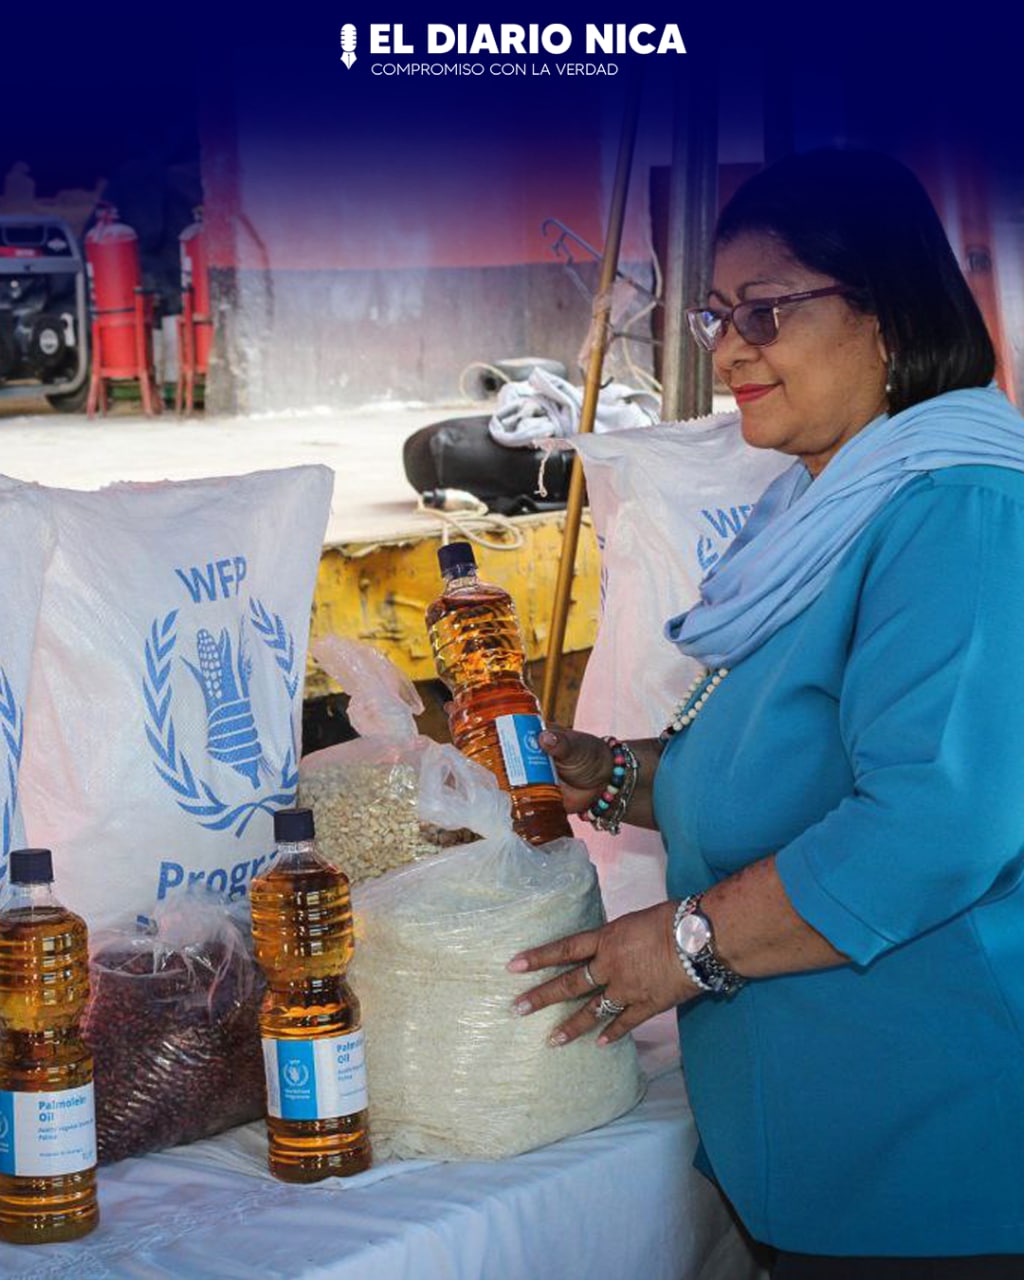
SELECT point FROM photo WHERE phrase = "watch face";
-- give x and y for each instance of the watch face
(692, 933)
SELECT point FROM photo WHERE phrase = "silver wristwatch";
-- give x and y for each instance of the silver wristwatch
(695, 946)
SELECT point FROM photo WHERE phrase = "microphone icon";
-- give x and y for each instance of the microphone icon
(348, 44)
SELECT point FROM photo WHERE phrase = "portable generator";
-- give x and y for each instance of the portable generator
(44, 347)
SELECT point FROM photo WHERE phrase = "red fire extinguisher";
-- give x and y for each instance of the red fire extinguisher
(112, 258)
(120, 315)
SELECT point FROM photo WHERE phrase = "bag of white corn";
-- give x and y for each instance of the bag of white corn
(364, 792)
(453, 1072)
(166, 695)
(26, 543)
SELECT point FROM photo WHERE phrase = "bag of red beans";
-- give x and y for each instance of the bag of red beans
(173, 1028)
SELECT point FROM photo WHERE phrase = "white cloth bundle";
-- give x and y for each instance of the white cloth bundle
(546, 406)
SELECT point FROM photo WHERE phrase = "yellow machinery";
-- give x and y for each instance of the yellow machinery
(379, 591)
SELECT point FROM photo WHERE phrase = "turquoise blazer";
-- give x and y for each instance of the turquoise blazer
(875, 744)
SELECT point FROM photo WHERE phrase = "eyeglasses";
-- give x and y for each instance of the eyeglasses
(756, 321)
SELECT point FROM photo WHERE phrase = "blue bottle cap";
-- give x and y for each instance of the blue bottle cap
(292, 826)
(31, 866)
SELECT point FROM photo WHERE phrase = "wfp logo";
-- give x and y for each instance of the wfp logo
(348, 44)
(719, 528)
(295, 1074)
(221, 667)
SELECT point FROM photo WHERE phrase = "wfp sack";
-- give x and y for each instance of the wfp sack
(666, 502)
(26, 543)
(165, 703)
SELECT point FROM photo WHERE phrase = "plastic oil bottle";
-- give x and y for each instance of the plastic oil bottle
(313, 1049)
(47, 1112)
(495, 716)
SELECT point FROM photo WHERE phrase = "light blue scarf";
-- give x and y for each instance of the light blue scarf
(789, 548)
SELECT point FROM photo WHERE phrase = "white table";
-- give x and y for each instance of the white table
(618, 1203)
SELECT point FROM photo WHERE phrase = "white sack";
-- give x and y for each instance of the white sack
(666, 503)
(26, 542)
(165, 706)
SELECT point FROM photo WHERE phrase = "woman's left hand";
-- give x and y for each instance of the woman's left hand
(633, 959)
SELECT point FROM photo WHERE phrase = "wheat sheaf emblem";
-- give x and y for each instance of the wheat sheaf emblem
(348, 44)
(222, 674)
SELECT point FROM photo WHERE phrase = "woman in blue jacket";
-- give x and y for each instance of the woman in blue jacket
(841, 796)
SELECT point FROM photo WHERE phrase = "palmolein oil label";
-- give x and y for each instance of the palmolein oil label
(316, 1079)
(47, 1134)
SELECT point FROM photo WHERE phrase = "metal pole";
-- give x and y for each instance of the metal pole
(687, 378)
(592, 387)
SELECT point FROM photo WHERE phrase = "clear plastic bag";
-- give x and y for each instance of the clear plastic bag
(172, 1022)
(453, 1072)
(364, 793)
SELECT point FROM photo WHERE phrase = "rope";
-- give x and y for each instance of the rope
(547, 448)
(474, 525)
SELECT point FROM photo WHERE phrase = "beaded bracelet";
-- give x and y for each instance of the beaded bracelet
(609, 809)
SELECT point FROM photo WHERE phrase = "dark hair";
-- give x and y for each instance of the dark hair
(864, 219)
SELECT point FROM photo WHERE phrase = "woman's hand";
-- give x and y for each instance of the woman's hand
(583, 762)
(633, 959)
(584, 766)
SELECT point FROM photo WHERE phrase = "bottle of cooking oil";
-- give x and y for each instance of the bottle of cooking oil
(495, 717)
(313, 1049)
(47, 1113)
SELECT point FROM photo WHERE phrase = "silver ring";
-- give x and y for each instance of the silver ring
(609, 1008)
(590, 977)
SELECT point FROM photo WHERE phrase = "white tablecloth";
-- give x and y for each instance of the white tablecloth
(618, 1203)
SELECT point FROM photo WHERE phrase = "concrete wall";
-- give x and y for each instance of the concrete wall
(358, 260)
(353, 263)
(289, 339)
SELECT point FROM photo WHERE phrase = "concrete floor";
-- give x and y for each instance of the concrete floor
(372, 498)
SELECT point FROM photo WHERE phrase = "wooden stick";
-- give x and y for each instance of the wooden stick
(592, 387)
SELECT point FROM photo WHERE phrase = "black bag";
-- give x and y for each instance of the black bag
(460, 454)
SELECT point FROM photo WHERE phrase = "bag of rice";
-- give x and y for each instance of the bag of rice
(453, 1072)
(364, 793)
